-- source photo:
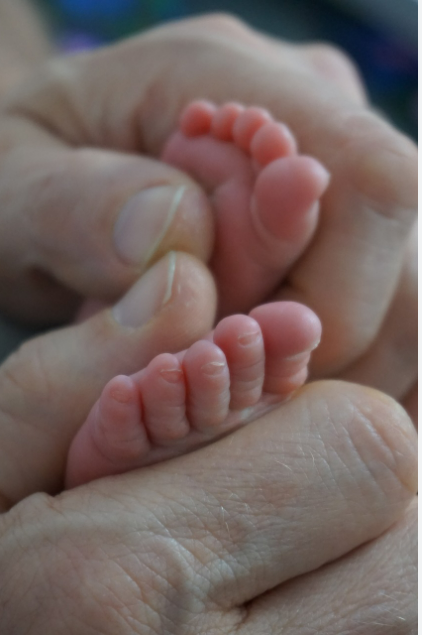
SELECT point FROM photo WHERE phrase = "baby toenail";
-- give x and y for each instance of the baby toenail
(172, 375)
(121, 395)
(213, 368)
(299, 356)
(249, 338)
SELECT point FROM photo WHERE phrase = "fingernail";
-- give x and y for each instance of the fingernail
(144, 221)
(148, 295)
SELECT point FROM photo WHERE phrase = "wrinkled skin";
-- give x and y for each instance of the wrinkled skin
(235, 538)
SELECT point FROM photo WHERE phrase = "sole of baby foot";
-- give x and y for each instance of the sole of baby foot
(181, 402)
(266, 196)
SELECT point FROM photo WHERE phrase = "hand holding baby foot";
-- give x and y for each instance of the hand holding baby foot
(244, 368)
(366, 215)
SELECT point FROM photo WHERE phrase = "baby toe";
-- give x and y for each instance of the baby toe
(224, 119)
(272, 141)
(286, 198)
(197, 117)
(163, 391)
(290, 331)
(208, 385)
(120, 434)
(247, 124)
(240, 338)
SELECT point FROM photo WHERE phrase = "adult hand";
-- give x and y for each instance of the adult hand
(40, 281)
(23, 43)
(234, 538)
(57, 171)
(48, 387)
(229, 539)
(221, 530)
(296, 524)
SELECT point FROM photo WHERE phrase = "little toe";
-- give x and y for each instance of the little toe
(208, 385)
(290, 331)
(113, 438)
(224, 119)
(241, 340)
(247, 124)
(119, 430)
(163, 390)
(196, 119)
(272, 141)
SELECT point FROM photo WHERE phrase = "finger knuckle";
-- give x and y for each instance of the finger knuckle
(225, 23)
(46, 100)
(381, 438)
(47, 78)
(381, 165)
(334, 57)
(375, 441)
(26, 375)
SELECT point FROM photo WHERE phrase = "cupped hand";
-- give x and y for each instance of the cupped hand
(301, 523)
(72, 141)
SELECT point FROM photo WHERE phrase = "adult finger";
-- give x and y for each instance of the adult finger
(332, 64)
(183, 547)
(372, 591)
(331, 470)
(49, 385)
(323, 59)
(411, 403)
(87, 219)
(391, 363)
(349, 273)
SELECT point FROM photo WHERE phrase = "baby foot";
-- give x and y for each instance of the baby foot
(179, 402)
(265, 195)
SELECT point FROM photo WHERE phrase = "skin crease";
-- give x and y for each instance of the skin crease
(193, 550)
(67, 567)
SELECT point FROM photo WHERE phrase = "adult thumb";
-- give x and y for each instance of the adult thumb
(49, 385)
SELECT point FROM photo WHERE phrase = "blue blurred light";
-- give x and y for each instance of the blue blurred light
(76, 41)
(97, 8)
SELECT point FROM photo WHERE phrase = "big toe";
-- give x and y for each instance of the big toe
(286, 197)
(291, 331)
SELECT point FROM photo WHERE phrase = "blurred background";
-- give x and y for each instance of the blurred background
(380, 35)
